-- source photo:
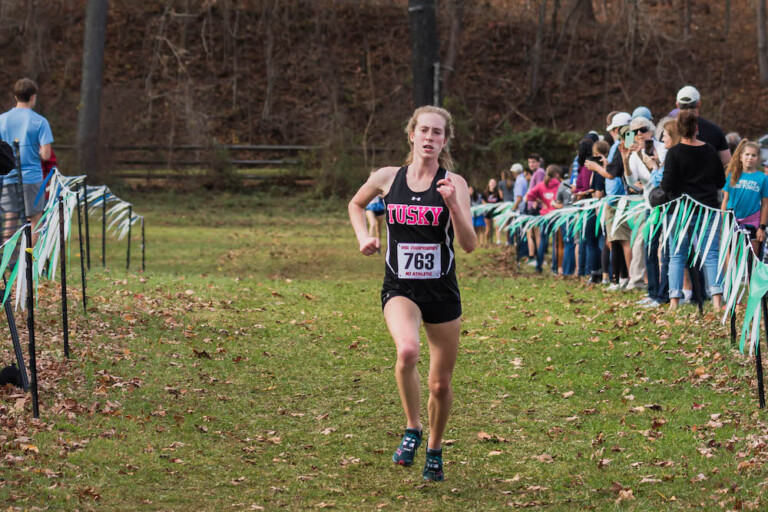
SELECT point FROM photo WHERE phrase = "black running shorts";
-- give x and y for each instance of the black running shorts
(432, 312)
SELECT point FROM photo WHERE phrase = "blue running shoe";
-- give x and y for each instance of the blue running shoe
(433, 469)
(408, 446)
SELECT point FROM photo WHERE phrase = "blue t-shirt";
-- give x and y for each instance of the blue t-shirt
(521, 188)
(33, 131)
(614, 186)
(574, 170)
(656, 176)
(744, 197)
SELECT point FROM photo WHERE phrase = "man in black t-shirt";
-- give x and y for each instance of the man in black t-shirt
(689, 98)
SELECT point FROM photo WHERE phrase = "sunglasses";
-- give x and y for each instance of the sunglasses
(644, 129)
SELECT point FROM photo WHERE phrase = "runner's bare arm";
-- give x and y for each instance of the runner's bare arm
(455, 193)
(378, 183)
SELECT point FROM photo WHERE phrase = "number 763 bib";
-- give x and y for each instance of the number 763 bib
(418, 261)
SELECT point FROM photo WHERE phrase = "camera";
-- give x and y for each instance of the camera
(649, 147)
(596, 159)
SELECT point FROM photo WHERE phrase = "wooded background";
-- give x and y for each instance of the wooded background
(337, 73)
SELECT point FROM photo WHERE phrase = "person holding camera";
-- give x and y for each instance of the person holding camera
(644, 156)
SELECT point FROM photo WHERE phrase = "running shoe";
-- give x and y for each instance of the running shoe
(643, 301)
(433, 468)
(652, 304)
(614, 287)
(407, 450)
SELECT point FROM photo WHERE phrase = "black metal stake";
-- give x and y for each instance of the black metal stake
(82, 256)
(8, 310)
(87, 229)
(758, 355)
(64, 319)
(143, 245)
(759, 358)
(104, 229)
(128, 258)
(31, 323)
(15, 339)
(30, 291)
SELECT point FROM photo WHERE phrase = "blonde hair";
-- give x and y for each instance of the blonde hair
(601, 147)
(553, 172)
(735, 167)
(444, 159)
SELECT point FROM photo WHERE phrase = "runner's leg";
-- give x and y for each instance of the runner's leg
(443, 347)
(403, 319)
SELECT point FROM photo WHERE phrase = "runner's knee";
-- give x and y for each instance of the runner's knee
(408, 354)
(439, 388)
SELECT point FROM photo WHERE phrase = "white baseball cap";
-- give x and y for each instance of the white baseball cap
(516, 168)
(619, 120)
(688, 95)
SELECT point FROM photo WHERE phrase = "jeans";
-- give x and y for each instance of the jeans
(569, 253)
(521, 244)
(582, 257)
(678, 261)
(658, 281)
(541, 250)
(592, 241)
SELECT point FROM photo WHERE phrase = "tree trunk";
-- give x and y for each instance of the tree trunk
(555, 11)
(89, 113)
(686, 19)
(727, 28)
(424, 49)
(583, 11)
(762, 44)
(536, 57)
(580, 12)
(269, 47)
(454, 42)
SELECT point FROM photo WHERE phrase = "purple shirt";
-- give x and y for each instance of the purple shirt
(583, 180)
(538, 177)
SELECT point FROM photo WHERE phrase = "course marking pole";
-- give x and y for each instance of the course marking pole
(87, 224)
(128, 257)
(104, 229)
(30, 290)
(31, 321)
(82, 256)
(64, 319)
(143, 244)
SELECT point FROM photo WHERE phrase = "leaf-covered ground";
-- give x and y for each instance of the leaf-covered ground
(250, 369)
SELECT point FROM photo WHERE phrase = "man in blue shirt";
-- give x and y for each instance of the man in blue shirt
(34, 135)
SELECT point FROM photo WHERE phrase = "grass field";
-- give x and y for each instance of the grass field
(249, 368)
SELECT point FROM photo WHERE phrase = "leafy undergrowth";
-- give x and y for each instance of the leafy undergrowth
(268, 384)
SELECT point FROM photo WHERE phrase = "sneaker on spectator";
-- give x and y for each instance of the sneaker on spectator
(652, 304)
(645, 300)
(532, 262)
(606, 281)
(623, 283)
(614, 287)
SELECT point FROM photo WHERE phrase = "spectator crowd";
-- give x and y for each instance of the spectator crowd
(637, 158)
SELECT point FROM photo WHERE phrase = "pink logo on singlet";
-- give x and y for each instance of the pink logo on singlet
(413, 215)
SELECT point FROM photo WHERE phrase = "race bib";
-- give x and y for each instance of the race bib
(418, 261)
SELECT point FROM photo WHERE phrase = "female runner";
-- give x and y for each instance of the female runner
(426, 206)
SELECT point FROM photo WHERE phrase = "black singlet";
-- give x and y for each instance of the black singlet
(420, 262)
